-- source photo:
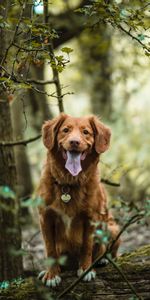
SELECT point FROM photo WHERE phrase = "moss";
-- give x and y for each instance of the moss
(142, 253)
(31, 289)
(135, 260)
(27, 290)
(23, 291)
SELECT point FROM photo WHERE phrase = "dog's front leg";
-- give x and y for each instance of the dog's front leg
(48, 219)
(86, 252)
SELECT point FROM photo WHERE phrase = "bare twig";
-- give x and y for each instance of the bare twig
(128, 32)
(27, 82)
(21, 142)
(40, 82)
(14, 61)
(123, 276)
(132, 220)
(106, 181)
(32, 237)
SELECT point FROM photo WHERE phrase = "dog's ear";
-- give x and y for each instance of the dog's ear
(102, 135)
(50, 130)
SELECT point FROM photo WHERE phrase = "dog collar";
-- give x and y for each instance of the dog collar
(65, 189)
(65, 197)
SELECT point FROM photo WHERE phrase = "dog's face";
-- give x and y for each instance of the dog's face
(76, 138)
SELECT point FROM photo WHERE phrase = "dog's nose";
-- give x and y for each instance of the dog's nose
(74, 143)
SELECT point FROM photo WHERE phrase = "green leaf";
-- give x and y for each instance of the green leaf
(24, 86)
(105, 239)
(4, 284)
(50, 261)
(19, 252)
(3, 78)
(141, 37)
(18, 281)
(59, 68)
(62, 260)
(59, 58)
(99, 232)
(67, 50)
(125, 13)
(6, 192)
(33, 202)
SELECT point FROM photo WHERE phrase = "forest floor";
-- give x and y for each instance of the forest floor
(136, 236)
(109, 283)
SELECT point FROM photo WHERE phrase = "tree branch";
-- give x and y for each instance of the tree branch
(68, 24)
(28, 82)
(106, 181)
(28, 49)
(128, 32)
(40, 82)
(21, 142)
(123, 276)
(132, 220)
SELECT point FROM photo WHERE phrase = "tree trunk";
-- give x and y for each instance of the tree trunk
(101, 97)
(95, 46)
(10, 235)
(24, 179)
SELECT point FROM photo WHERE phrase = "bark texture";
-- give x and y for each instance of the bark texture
(24, 178)
(10, 236)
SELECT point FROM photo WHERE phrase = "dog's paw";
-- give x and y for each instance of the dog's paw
(55, 281)
(41, 274)
(102, 262)
(89, 276)
(49, 282)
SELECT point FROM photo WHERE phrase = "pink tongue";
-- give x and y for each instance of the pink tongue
(73, 163)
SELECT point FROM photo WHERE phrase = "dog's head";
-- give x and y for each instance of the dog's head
(76, 138)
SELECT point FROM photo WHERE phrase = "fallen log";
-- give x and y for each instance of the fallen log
(108, 285)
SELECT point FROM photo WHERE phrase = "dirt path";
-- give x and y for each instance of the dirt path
(137, 235)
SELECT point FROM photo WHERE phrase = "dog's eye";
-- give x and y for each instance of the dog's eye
(85, 131)
(65, 129)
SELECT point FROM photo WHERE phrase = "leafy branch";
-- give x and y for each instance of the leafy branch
(113, 22)
(15, 32)
(54, 63)
(127, 19)
(40, 40)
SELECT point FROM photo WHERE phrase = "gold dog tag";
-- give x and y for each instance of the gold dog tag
(65, 198)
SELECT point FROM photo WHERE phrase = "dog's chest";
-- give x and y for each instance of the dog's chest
(67, 222)
(70, 231)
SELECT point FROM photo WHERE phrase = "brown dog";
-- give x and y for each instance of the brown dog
(75, 200)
